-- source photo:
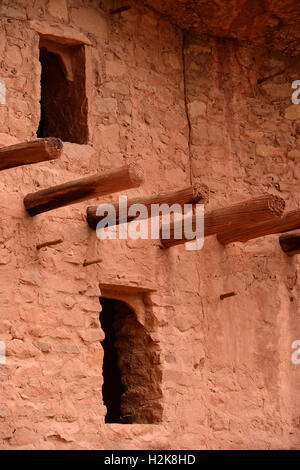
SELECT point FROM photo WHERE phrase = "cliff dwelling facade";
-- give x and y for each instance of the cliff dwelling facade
(133, 343)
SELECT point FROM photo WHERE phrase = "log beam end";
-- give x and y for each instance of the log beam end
(277, 205)
(54, 147)
(201, 193)
(136, 174)
(290, 243)
(27, 153)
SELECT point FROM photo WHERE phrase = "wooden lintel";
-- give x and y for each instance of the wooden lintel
(123, 178)
(290, 243)
(290, 221)
(233, 217)
(128, 289)
(27, 153)
(189, 195)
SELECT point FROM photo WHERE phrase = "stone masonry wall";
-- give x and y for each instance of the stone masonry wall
(200, 109)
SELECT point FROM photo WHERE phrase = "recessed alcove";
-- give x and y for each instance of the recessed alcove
(131, 367)
(63, 92)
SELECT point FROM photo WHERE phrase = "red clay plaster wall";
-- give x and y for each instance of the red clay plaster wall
(228, 380)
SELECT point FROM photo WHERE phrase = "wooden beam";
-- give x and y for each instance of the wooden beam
(290, 243)
(189, 195)
(233, 217)
(26, 153)
(93, 261)
(50, 243)
(290, 221)
(139, 287)
(123, 178)
(228, 294)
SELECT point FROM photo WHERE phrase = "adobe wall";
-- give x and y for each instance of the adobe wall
(227, 376)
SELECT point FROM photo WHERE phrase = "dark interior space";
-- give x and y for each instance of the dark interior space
(63, 101)
(112, 388)
(131, 367)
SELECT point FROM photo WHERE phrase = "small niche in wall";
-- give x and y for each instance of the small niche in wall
(131, 370)
(63, 92)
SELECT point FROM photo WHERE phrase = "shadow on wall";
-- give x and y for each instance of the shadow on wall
(131, 371)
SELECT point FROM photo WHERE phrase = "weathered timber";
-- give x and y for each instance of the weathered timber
(50, 243)
(290, 243)
(290, 221)
(189, 195)
(123, 178)
(232, 217)
(28, 153)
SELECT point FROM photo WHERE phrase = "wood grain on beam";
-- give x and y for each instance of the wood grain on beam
(121, 179)
(233, 217)
(289, 221)
(189, 195)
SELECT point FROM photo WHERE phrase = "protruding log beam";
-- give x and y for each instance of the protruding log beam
(290, 221)
(123, 178)
(228, 294)
(93, 261)
(233, 217)
(189, 195)
(27, 153)
(50, 243)
(290, 243)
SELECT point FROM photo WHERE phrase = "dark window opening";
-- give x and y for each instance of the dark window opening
(131, 368)
(63, 93)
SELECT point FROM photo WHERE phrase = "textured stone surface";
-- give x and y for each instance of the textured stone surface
(269, 22)
(227, 376)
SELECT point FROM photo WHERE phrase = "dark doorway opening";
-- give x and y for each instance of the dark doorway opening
(112, 388)
(131, 367)
(63, 94)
